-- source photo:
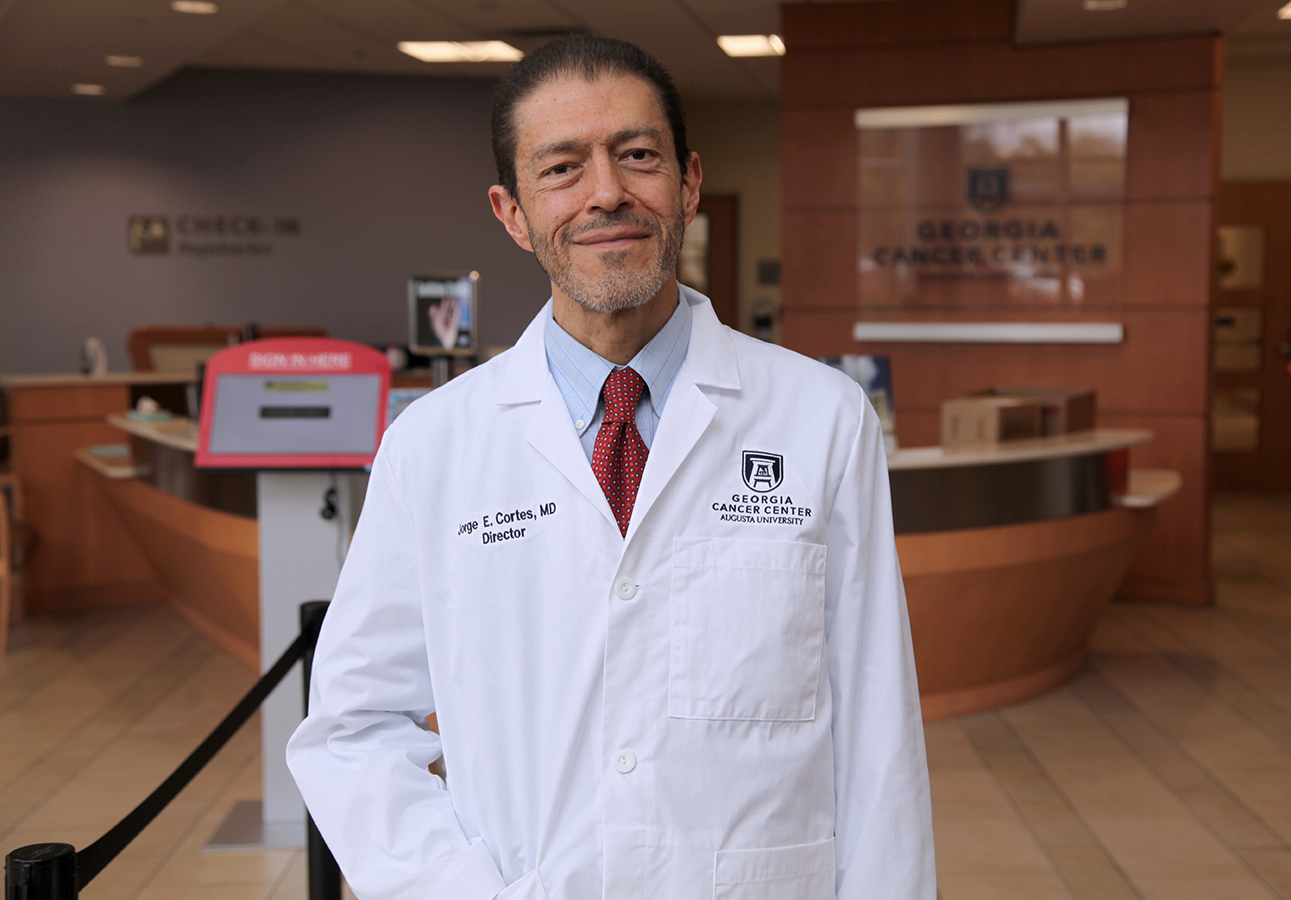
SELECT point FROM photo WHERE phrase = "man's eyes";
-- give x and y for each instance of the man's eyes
(561, 170)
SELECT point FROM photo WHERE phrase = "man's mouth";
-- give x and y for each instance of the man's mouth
(612, 238)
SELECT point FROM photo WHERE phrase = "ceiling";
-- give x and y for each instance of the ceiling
(46, 46)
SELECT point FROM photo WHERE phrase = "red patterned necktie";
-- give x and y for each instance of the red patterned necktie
(619, 455)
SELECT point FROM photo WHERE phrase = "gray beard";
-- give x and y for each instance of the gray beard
(619, 288)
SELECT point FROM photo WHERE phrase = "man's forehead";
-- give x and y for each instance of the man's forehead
(533, 112)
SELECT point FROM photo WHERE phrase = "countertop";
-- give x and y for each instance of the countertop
(1101, 440)
(74, 379)
(178, 432)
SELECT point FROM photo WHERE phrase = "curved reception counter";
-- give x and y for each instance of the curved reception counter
(1010, 553)
(196, 528)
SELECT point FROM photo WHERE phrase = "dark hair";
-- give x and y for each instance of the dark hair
(590, 57)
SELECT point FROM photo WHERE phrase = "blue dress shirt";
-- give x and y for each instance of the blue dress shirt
(580, 374)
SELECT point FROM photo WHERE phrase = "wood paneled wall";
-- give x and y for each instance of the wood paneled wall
(845, 56)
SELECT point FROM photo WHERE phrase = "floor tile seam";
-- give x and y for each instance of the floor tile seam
(64, 644)
(107, 743)
(1261, 636)
(283, 875)
(70, 673)
(1228, 670)
(1280, 736)
(1111, 861)
(182, 838)
(1273, 889)
(1095, 840)
(1211, 776)
(1237, 679)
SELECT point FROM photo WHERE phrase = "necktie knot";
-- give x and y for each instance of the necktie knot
(622, 392)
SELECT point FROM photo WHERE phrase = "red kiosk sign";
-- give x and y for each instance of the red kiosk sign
(293, 403)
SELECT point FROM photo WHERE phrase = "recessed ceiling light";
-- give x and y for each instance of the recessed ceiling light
(1104, 5)
(751, 44)
(89, 90)
(196, 7)
(125, 62)
(1285, 12)
(461, 51)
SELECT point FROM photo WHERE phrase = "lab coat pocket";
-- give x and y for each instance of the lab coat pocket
(748, 625)
(800, 872)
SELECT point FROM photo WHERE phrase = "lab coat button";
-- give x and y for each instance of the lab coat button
(626, 588)
(625, 761)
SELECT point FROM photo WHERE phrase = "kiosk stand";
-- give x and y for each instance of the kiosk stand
(306, 413)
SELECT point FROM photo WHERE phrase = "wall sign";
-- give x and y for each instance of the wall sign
(982, 204)
(202, 236)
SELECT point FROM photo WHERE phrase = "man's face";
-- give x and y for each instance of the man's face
(602, 201)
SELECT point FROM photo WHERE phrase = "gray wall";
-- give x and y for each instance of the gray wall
(387, 176)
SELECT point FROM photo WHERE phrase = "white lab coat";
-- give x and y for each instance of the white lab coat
(721, 705)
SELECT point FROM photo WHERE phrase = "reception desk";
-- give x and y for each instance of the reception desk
(197, 529)
(82, 558)
(1010, 553)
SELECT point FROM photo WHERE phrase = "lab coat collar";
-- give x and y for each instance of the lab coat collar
(710, 359)
(710, 362)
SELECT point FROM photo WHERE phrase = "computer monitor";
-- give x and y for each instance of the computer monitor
(443, 312)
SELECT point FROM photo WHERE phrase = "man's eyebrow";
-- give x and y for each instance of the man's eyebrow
(632, 134)
(555, 147)
(619, 137)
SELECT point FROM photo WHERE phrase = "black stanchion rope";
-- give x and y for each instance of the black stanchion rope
(92, 860)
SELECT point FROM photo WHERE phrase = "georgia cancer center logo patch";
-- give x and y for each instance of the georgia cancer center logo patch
(988, 188)
(763, 471)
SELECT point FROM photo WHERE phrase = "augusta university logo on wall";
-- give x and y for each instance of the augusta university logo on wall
(988, 188)
(763, 471)
(149, 234)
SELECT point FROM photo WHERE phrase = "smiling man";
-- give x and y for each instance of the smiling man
(654, 603)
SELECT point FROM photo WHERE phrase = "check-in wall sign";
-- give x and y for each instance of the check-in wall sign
(202, 236)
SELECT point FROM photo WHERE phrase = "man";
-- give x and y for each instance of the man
(654, 601)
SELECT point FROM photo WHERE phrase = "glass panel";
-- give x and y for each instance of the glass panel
(1235, 420)
(1241, 257)
(991, 204)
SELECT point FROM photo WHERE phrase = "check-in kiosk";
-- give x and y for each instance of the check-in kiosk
(305, 413)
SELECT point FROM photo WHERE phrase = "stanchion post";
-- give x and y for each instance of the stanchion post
(41, 872)
(324, 873)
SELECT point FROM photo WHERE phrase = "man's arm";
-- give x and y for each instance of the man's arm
(883, 817)
(360, 758)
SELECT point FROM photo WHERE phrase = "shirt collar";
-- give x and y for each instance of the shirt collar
(580, 373)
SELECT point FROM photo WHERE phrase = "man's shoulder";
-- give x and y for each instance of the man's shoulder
(466, 396)
(762, 365)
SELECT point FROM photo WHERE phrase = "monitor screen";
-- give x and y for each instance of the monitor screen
(443, 313)
(295, 414)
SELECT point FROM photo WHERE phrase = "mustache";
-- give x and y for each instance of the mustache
(611, 220)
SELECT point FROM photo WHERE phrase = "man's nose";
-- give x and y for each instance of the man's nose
(606, 188)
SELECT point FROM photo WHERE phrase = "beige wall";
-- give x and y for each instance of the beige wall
(1257, 119)
(739, 147)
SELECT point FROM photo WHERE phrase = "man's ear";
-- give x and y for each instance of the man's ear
(510, 215)
(690, 180)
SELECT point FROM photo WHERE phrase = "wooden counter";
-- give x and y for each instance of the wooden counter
(1002, 611)
(83, 558)
(196, 528)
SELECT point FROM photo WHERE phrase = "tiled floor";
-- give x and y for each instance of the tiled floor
(1162, 773)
